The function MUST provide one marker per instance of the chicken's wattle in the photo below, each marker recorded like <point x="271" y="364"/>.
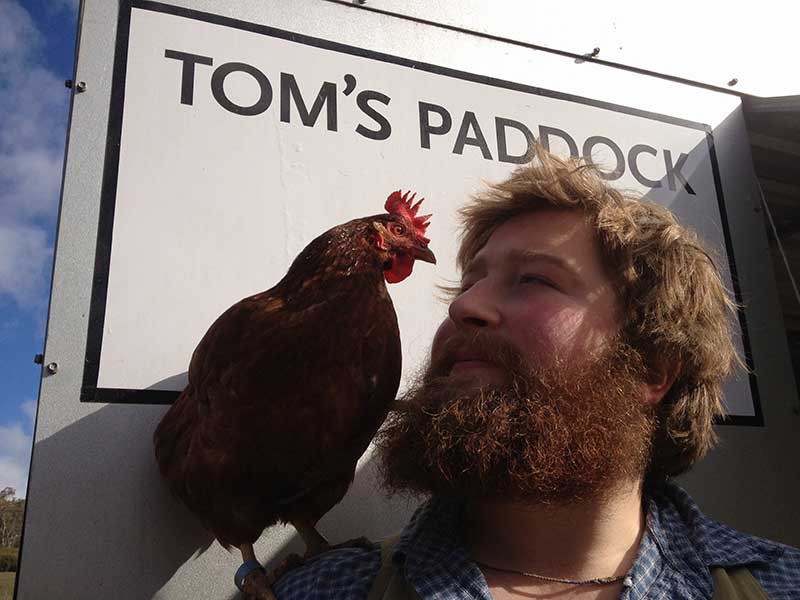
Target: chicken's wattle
<point x="402" y="265"/>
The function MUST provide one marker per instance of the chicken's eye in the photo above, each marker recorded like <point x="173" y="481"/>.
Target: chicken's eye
<point x="398" y="229"/>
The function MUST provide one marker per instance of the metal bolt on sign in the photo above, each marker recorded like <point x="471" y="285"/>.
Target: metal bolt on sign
<point x="79" y="87"/>
<point x="52" y="368"/>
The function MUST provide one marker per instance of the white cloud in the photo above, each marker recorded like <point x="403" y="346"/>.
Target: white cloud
<point x="13" y="473"/>
<point x="33" y="115"/>
<point x="33" y="111"/>
<point x="33" y="177"/>
<point x="18" y="33"/>
<point x="29" y="408"/>
<point x="15" y="451"/>
<point x="24" y="262"/>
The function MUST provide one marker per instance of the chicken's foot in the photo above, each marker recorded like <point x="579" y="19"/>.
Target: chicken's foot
<point x="316" y="544"/>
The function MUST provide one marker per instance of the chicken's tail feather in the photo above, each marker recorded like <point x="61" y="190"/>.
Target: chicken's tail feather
<point x="198" y="472"/>
<point x="172" y="439"/>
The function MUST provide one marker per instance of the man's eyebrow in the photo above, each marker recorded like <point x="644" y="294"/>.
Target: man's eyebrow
<point x="529" y="256"/>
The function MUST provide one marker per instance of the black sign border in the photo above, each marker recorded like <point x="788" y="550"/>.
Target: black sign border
<point x="91" y="393"/>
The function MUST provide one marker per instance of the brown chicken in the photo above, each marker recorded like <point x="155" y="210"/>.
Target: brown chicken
<point x="288" y="387"/>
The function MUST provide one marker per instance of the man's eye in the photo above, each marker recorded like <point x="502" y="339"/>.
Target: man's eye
<point x="536" y="279"/>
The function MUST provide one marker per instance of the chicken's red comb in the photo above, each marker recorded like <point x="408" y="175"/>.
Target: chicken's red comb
<point x="397" y="204"/>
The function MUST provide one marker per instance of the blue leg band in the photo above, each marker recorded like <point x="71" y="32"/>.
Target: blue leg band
<point x="247" y="567"/>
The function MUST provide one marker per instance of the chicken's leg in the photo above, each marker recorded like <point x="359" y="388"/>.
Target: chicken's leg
<point x="315" y="543"/>
<point x="254" y="583"/>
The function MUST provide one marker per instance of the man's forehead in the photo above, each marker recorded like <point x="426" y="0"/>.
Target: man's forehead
<point x="560" y="237"/>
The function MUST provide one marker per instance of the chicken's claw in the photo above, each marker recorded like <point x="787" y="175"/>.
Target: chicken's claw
<point x="256" y="586"/>
<point x="359" y="542"/>
<point x="293" y="561"/>
<point x="289" y="563"/>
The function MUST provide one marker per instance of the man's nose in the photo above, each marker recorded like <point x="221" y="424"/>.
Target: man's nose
<point x="475" y="308"/>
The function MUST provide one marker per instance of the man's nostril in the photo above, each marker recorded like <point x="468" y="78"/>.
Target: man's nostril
<point x="474" y="321"/>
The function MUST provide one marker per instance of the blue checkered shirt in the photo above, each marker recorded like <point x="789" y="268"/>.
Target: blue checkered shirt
<point x="676" y="551"/>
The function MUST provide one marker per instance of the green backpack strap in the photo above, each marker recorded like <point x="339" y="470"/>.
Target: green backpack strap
<point x="736" y="583"/>
<point x="389" y="583"/>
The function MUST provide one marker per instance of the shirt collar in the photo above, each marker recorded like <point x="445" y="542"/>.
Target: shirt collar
<point x="432" y="534"/>
<point x="432" y="554"/>
<point x="715" y="544"/>
<point x="681" y="544"/>
<point x="678" y="537"/>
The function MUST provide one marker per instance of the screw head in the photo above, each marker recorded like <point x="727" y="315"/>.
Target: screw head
<point x="733" y="82"/>
<point x="80" y="86"/>
<point x="52" y="368"/>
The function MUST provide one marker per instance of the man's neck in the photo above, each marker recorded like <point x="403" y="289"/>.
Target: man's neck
<point x="579" y="541"/>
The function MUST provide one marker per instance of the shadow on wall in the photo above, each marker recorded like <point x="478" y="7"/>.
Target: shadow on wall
<point x="98" y="513"/>
<point x="101" y="518"/>
<point x="175" y="382"/>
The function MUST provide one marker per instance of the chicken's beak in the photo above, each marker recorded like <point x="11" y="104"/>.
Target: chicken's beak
<point x="423" y="253"/>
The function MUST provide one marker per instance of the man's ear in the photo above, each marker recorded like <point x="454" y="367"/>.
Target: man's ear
<point x="660" y="380"/>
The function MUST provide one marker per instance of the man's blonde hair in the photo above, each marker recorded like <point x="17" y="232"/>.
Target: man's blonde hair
<point x="675" y="310"/>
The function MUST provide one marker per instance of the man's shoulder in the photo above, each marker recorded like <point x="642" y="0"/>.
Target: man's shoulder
<point x="779" y="577"/>
<point x="344" y="573"/>
<point x="348" y="573"/>
<point x="775" y="565"/>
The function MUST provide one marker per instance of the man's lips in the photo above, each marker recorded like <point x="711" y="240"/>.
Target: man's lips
<point x="481" y="357"/>
<point x="467" y="354"/>
<point x="472" y="363"/>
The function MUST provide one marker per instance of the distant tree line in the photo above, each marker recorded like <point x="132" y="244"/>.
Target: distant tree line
<point x="11" y="512"/>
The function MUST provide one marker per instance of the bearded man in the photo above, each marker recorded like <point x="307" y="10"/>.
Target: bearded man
<point x="580" y="369"/>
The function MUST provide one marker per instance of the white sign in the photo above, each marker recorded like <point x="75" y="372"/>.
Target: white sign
<point x="239" y="143"/>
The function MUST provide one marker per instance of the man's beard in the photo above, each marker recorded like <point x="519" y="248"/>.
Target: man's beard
<point x="554" y="435"/>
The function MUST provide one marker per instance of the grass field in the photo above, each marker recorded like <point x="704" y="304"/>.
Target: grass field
<point x="6" y="585"/>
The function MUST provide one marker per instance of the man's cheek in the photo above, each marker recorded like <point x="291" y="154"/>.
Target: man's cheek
<point x="556" y="334"/>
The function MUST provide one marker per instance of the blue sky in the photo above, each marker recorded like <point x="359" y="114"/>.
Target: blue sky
<point x="37" y="44"/>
